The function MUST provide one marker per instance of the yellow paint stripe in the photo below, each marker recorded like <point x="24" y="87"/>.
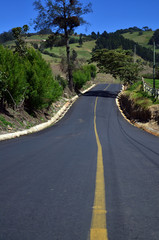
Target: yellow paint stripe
<point x="98" y="229"/>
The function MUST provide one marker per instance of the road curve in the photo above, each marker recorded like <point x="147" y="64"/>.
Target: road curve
<point x="48" y="179"/>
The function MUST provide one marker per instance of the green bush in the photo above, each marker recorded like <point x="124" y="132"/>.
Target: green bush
<point x="81" y="76"/>
<point x="92" y="69"/>
<point x="28" y="80"/>
<point x="79" y="79"/>
<point x="13" y="77"/>
<point x="43" y="89"/>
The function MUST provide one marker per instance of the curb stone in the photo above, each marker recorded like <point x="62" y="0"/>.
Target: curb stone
<point x="44" y="125"/>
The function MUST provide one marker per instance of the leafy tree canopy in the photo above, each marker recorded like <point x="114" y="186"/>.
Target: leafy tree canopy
<point x="117" y="62"/>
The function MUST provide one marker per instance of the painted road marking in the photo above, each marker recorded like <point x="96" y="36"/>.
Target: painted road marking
<point x="98" y="229"/>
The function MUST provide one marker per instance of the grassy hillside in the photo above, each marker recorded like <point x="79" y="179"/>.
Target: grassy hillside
<point x="141" y="39"/>
<point x="83" y="52"/>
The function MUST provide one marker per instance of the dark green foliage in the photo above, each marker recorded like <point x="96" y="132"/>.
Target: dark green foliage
<point x="117" y="62"/>
<point x="81" y="76"/>
<point x="73" y="56"/>
<point x="49" y="53"/>
<point x="92" y="69"/>
<point x="94" y="35"/>
<point x="80" y="40"/>
<point x="115" y="40"/>
<point x="146" y="28"/>
<point x="73" y="40"/>
<point x="18" y="34"/>
<point x="131" y="30"/>
<point x="26" y="81"/>
<point x="6" y="36"/>
<point x="13" y="77"/>
<point x="43" y="89"/>
<point x="55" y="40"/>
<point x="155" y="38"/>
<point x="35" y="45"/>
<point x="44" y="31"/>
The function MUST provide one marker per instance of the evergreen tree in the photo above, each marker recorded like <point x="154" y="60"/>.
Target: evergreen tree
<point x="80" y="40"/>
<point x="18" y="34"/>
<point x="64" y="16"/>
<point x="155" y="38"/>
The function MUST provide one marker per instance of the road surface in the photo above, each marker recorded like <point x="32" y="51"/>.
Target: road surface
<point x="90" y="176"/>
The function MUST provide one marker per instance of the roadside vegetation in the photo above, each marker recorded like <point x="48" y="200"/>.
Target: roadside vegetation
<point x="150" y="82"/>
<point x="136" y="93"/>
<point x="35" y="71"/>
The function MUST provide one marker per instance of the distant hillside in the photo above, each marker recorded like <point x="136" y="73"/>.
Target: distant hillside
<point x="125" y="38"/>
<point x="142" y="39"/>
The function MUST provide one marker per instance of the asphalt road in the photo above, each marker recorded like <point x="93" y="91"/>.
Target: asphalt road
<point x="48" y="179"/>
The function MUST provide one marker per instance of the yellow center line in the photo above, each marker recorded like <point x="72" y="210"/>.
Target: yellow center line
<point x="98" y="229"/>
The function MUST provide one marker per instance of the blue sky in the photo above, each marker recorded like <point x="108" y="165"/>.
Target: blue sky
<point x="106" y="16"/>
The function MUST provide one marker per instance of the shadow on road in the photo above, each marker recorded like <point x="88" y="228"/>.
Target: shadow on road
<point x="99" y="93"/>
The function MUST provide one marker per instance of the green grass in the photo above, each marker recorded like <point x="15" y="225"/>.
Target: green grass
<point x="141" y="39"/>
<point x="136" y="93"/>
<point x="83" y="52"/>
<point x="4" y="122"/>
<point x="150" y="82"/>
<point x="38" y="37"/>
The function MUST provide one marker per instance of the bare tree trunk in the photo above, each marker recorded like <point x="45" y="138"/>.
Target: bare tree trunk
<point x="69" y="68"/>
<point x="70" y="79"/>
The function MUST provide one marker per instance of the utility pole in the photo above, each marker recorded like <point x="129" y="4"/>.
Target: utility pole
<point x="154" y="64"/>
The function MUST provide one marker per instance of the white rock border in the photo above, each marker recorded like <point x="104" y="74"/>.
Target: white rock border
<point x="44" y="125"/>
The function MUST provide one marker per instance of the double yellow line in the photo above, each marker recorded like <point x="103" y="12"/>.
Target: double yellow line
<point x="98" y="229"/>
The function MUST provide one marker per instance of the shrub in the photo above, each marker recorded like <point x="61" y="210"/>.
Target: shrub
<point x="26" y="80"/>
<point x="92" y="69"/>
<point x="43" y="89"/>
<point x="81" y="76"/>
<point x="13" y="77"/>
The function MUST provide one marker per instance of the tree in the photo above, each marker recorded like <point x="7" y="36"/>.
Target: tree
<point x="6" y="36"/>
<point x="18" y="34"/>
<point x="115" y="40"/>
<point x="80" y="40"/>
<point x="117" y="62"/>
<point x="146" y="28"/>
<point x="155" y="38"/>
<point x="63" y="16"/>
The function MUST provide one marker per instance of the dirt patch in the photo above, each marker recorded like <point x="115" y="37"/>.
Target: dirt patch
<point x="133" y="111"/>
<point x="12" y="121"/>
<point x="148" y="119"/>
